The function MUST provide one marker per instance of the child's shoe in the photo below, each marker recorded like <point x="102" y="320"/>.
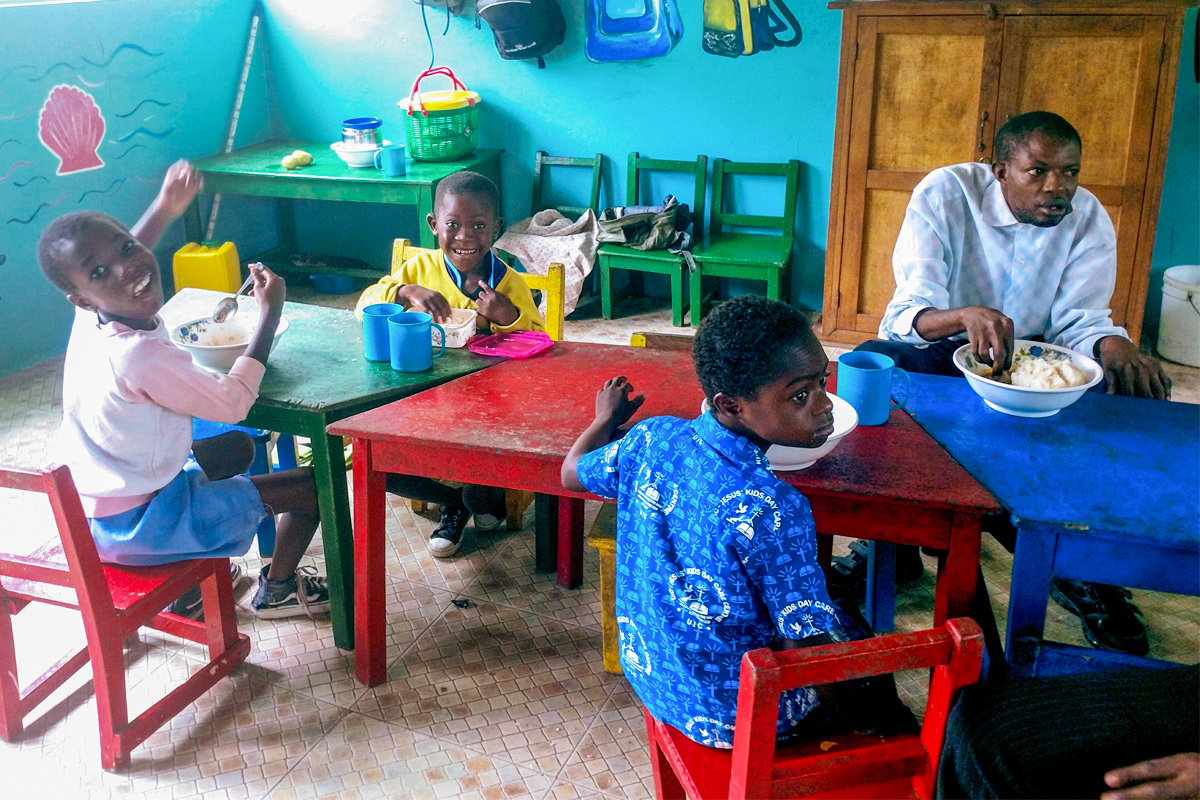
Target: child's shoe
<point x="447" y="536"/>
<point x="303" y="593"/>
<point x="190" y="605"/>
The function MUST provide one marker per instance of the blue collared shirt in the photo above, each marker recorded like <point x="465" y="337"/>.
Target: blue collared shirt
<point x="715" y="556"/>
<point x="960" y="245"/>
<point x="495" y="274"/>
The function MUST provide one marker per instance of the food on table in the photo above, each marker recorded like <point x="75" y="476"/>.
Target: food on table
<point x="298" y="158"/>
<point x="1035" y="368"/>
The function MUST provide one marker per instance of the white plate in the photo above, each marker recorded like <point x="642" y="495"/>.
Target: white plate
<point x="788" y="459"/>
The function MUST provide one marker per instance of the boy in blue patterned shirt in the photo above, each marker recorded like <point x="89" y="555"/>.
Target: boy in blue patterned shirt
<point x="715" y="555"/>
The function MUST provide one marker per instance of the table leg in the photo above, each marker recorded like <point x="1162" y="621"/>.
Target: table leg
<point x="329" y="467"/>
<point x="570" y="542"/>
<point x="1033" y="568"/>
<point x="956" y="576"/>
<point x="545" y="532"/>
<point x="192" y="226"/>
<point x="285" y="220"/>
<point x="370" y="617"/>
<point x="879" y="606"/>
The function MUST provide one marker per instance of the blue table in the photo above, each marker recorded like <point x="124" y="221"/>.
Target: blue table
<point x="1107" y="490"/>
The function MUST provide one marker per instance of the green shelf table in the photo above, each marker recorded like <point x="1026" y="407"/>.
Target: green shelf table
<point x="256" y="170"/>
<point x="317" y="375"/>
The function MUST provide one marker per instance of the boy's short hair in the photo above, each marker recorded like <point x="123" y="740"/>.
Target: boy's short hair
<point x="64" y="229"/>
<point x="467" y="182"/>
<point x="739" y="346"/>
<point x="1019" y="129"/>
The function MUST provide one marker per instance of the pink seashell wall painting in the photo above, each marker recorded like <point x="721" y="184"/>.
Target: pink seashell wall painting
<point x="70" y="126"/>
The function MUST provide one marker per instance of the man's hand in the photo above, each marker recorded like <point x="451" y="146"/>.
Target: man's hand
<point x="496" y="307"/>
<point x="1128" y="371"/>
<point x="1176" y="776"/>
<point x="180" y="186"/>
<point x="988" y="330"/>
<point x="991" y="336"/>
<point x="427" y="300"/>
<point x="614" y="407"/>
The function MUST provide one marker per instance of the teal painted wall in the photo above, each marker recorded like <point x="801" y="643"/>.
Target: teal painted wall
<point x="163" y="76"/>
<point x="1177" y="240"/>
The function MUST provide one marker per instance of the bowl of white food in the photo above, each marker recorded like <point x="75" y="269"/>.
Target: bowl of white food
<point x="787" y="459"/>
<point x="1043" y="380"/>
<point x="357" y="155"/>
<point x="216" y="345"/>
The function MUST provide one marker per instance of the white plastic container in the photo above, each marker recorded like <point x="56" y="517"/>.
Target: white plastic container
<point x="459" y="328"/>
<point x="1179" y="325"/>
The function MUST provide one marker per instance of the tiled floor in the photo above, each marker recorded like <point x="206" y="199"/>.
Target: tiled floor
<point x="502" y="698"/>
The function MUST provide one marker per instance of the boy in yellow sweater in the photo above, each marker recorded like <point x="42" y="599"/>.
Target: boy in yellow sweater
<point x="463" y="273"/>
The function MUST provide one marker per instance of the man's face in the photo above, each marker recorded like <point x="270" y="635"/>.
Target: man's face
<point x="113" y="274"/>
<point x="1039" y="179"/>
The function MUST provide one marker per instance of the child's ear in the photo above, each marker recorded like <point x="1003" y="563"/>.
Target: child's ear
<point x="82" y="302"/>
<point x="727" y="405"/>
<point x="431" y="221"/>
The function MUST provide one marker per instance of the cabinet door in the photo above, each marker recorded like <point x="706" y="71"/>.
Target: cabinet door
<point x="1101" y="73"/>
<point x="924" y="95"/>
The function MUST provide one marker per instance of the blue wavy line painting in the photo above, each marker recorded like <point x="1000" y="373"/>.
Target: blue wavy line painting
<point x="130" y="150"/>
<point x="117" y="184"/>
<point x="23" y="184"/>
<point x="145" y="132"/>
<point x="125" y="46"/>
<point x="8" y="141"/>
<point x="37" y="211"/>
<point x="139" y="105"/>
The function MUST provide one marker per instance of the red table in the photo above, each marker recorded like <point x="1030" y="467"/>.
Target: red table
<point x="512" y="425"/>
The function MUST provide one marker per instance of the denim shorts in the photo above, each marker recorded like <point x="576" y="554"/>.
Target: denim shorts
<point x="190" y="517"/>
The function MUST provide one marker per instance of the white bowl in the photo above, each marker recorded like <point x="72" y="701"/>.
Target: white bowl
<point x="1022" y="401"/>
<point x="788" y="459"/>
<point x="357" y="155"/>
<point x="459" y="328"/>
<point x="220" y="357"/>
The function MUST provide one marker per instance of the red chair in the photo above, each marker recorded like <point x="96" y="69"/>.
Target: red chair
<point x="849" y="765"/>
<point x="115" y="603"/>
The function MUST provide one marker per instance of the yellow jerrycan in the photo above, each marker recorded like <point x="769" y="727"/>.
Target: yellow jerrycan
<point x="209" y="265"/>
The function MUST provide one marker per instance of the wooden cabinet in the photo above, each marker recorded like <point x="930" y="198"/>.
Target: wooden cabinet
<point x="925" y="83"/>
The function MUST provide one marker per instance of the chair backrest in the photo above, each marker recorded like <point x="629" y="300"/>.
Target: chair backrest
<point x="26" y="576"/>
<point x="699" y="168"/>
<point x="955" y="651"/>
<point x="553" y="284"/>
<point x="724" y="169"/>
<point x="541" y="163"/>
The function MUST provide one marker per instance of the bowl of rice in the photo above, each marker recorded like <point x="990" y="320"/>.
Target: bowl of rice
<point x="216" y="345"/>
<point x="1042" y="380"/>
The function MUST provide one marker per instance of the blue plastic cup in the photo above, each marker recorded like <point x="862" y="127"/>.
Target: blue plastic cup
<point x="410" y="334"/>
<point x="375" y="330"/>
<point x="864" y="380"/>
<point x="390" y="160"/>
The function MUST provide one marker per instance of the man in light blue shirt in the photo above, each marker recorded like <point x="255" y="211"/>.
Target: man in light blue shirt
<point x="1016" y="249"/>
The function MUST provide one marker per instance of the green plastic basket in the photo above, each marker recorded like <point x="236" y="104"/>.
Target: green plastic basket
<point x="442" y="125"/>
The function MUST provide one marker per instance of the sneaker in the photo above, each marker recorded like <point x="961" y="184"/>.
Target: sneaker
<point x="848" y="575"/>
<point x="487" y="522"/>
<point x="305" y="593"/>
<point x="1109" y="618"/>
<point x="447" y="536"/>
<point x="190" y="605"/>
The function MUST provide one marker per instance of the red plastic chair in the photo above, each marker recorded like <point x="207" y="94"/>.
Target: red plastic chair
<point x="115" y="603"/>
<point x="847" y="765"/>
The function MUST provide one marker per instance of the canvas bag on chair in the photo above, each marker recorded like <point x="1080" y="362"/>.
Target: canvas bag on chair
<point x="649" y="228"/>
<point x="523" y="28"/>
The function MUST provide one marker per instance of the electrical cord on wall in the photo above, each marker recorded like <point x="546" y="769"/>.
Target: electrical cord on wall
<point x="428" y="37"/>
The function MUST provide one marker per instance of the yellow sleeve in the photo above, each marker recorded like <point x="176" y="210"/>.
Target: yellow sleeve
<point x="382" y="292"/>
<point x="513" y="286"/>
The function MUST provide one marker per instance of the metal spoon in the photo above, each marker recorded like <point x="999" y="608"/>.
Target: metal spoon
<point x="229" y="305"/>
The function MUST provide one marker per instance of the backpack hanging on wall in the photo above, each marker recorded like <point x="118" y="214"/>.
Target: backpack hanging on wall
<point x="743" y="27"/>
<point x="523" y="28"/>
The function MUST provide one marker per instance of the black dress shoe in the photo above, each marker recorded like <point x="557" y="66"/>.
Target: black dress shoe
<point x="1110" y="619"/>
<point x="848" y="577"/>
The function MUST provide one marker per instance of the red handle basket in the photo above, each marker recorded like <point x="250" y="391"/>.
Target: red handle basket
<point x="414" y="97"/>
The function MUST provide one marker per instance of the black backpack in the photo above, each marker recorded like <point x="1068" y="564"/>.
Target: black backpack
<point x="523" y="28"/>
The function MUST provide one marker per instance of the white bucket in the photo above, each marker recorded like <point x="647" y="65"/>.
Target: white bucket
<point x="1179" y="328"/>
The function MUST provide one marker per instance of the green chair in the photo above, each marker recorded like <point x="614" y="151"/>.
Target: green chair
<point x="541" y="161"/>
<point x="750" y="256"/>
<point x="662" y="262"/>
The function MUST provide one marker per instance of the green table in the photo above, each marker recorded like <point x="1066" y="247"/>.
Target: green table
<point x="257" y="171"/>
<point x="317" y="375"/>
